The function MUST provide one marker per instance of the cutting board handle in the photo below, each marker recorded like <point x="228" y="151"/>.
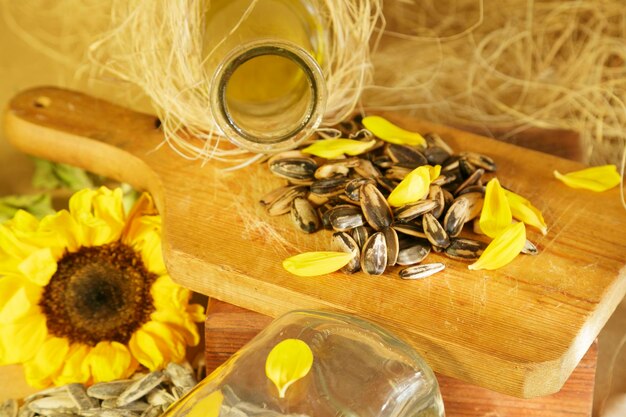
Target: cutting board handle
<point x="73" y="128"/>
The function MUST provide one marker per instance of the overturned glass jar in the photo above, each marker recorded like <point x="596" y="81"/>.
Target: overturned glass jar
<point x="318" y="364"/>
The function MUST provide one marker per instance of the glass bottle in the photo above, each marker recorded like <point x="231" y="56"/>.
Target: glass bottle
<point x="268" y="91"/>
<point x="358" y="370"/>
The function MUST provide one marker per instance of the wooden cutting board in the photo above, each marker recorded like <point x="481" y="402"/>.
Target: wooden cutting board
<point x="520" y="330"/>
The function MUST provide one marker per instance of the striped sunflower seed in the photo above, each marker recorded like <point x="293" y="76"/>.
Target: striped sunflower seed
<point x="343" y="242"/>
<point x="375" y="207"/>
<point x="374" y="255"/>
<point x="421" y="271"/>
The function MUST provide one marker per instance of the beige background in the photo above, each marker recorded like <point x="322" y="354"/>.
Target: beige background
<point x="21" y="66"/>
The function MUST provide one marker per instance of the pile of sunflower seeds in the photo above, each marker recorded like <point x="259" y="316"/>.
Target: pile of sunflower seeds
<point x="146" y="395"/>
<point x="349" y="196"/>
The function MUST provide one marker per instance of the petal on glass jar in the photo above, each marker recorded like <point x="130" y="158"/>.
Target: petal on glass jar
<point x="287" y="362"/>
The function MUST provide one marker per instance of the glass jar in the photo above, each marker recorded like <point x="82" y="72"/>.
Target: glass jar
<point x="358" y="370"/>
<point x="267" y="92"/>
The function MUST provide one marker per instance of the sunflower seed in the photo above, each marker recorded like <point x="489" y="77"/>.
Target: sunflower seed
<point x="333" y="169"/>
<point x="433" y="139"/>
<point x="53" y="405"/>
<point x="387" y="183"/>
<point x="382" y="161"/>
<point x="140" y="388"/>
<point x="360" y="235"/>
<point x="456" y="217"/>
<point x="281" y="204"/>
<point x="471" y="180"/>
<point x="436" y="155"/>
<point x="413" y="254"/>
<point x="405" y="156"/>
<point x="451" y="164"/>
<point x="8" y="408"/>
<point x="530" y="248"/>
<point x="154" y="411"/>
<point x="78" y="394"/>
<point x="435" y="233"/>
<point x="345" y="217"/>
<point x="180" y="375"/>
<point x="343" y="242"/>
<point x="446" y="177"/>
<point x="329" y="187"/>
<point x="397" y="173"/>
<point x="366" y="169"/>
<point x="411" y="211"/>
<point x="421" y="271"/>
<point x="117" y="412"/>
<point x="477" y="188"/>
<point x="294" y="169"/>
<point x="475" y="204"/>
<point x="375" y="207"/>
<point x="374" y="254"/>
<point x="24" y="411"/>
<point x="465" y="249"/>
<point x="436" y="193"/>
<point x="410" y="229"/>
<point x="45" y="392"/>
<point x="353" y="188"/>
<point x="393" y="246"/>
<point x="304" y="216"/>
<point x="466" y="168"/>
<point x="478" y="160"/>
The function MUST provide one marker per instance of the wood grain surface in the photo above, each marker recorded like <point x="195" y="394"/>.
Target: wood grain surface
<point x="520" y="330"/>
<point x="228" y="328"/>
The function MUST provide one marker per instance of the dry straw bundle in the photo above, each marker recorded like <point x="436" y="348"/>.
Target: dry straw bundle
<point x="513" y="65"/>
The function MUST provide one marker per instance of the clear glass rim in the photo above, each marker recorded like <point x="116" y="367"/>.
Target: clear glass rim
<point x="312" y="116"/>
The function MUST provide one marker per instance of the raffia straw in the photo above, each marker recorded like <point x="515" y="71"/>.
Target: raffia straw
<point x="158" y="45"/>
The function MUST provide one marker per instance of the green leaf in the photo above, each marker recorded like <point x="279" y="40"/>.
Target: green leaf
<point x="335" y="148"/>
<point x="50" y="176"/>
<point x="600" y="178"/>
<point x="39" y="205"/>
<point x="287" y="362"/>
<point x="309" y="264"/>
<point x="391" y="133"/>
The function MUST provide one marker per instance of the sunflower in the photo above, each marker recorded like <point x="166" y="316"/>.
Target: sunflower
<point x="85" y="296"/>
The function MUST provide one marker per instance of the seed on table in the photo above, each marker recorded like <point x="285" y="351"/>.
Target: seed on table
<point x="329" y="187"/>
<point x="366" y="169"/>
<point x="471" y="180"/>
<point x="421" y="271"/>
<point x="140" y="387"/>
<point x="282" y="202"/>
<point x="353" y="188"/>
<point x="478" y="160"/>
<point x="345" y="217"/>
<point x="405" y="156"/>
<point x="294" y="169"/>
<point x="435" y="233"/>
<point x="463" y="249"/>
<point x="343" y="242"/>
<point x="411" y="211"/>
<point x="48" y="406"/>
<point x="78" y="394"/>
<point x="374" y="254"/>
<point x="413" y="254"/>
<point x="360" y="234"/>
<point x="304" y="215"/>
<point x="410" y="229"/>
<point x="456" y="217"/>
<point x="435" y="193"/>
<point x="393" y="245"/>
<point x="466" y="168"/>
<point x="375" y="207"/>
<point x="529" y="248"/>
<point x="436" y="155"/>
<point x="8" y="408"/>
<point x="433" y="139"/>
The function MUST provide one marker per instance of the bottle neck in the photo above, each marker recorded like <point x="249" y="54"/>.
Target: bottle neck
<point x="268" y="96"/>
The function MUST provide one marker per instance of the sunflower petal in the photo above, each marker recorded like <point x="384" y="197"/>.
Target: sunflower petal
<point x="309" y="264"/>
<point x="86" y="206"/>
<point x="600" y="178"/>
<point x="142" y="209"/>
<point x="63" y="230"/>
<point x="39" y="267"/>
<point x="47" y="363"/>
<point x="152" y="254"/>
<point x="287" y="362"/>
<point x="17" y="298"/>
<point x="167" y="294"/>
<point x="503" y="249"/>
<point x="108" y="361"/>
<point x="524" y="211"/>
<point x="155" y="344"/>
<point x="20" y="340"/>
<point x="391" y="133"/>
<point x="412" y="188"/>
<point x="335" y="148"/>
<point x="180" y="322"/>
<point x="209" y="406"/>
<point x="75" y="367"/>
<point x="495" y="215"/>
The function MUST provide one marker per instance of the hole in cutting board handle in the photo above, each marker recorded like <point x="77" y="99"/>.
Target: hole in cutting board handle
<point x="42" y="102"/>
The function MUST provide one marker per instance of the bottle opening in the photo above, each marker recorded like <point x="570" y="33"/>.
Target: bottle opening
<point x="269" y="96"/>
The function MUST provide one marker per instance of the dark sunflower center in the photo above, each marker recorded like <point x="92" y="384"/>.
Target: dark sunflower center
<point x="99" y="293"/>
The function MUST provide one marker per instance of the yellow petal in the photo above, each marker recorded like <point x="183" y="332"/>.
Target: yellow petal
<point x="209" y="406"/>
<point x="524" y="211"/>
<point x="495" y="215"/>
<point x="180" y="322"/>
<point x="152" y="254"/>
<point x="86" y="206"/>
<point x="64" y="229"/>
<point x="21" y="339"/>
<point x="108" y="361"/>
<point x="108" y="205"/>
<point x="39" y="267"/>
<point x="412" y="188"/>
<point x="17" y="298"/>
<point x="389" y="132"/>
<point x="47" y="363"/>
<point x="309" y="264"/>
<point x="335" y="148"/>
<point x="434" y="172"/>
<point x="143" y="207"/>
<point x="155" y="344"/>
<point x="167" y="294"/>
<point x="503" y="249"/>
<point x="287" y="362"/>
<point x="75" y="367"/>
<point x="600" y="178"/>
